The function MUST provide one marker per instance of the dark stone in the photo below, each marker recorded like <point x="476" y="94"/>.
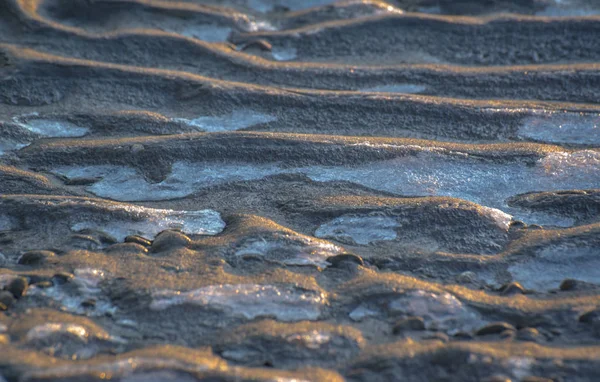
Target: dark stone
<point x="44" y="284"/>
<point x="138" y="240"/>
<point x="463" y="335"/>
<point x="591" y="316"/>
<point x="507" y="334"/>
<point x="528" y="334"/>
<point x="494" y="328"/>
<point x="6" y="300"/>
<point x="438" y="336"/>
<point x="261" y="44"/>
<point x="169" y="240"/>
<point x="337" y="260"/>
<point x="87" y="242"/>
<point x="35" y="257"/>
<point x="568" y="284"/>
<point x="573" y="285"/>
<point x="409" y="323"/>
<point x="512" y="288"/>
<point x="62" y="277"/>
<point x="17" y="287"/>
<point x="517" y="224"/>
<point x="131" y="248"/>
<point x="89" y="303"/>
<point x="101" y="236"/>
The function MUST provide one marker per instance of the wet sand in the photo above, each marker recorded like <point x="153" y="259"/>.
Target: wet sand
<point x="274" y="190"/>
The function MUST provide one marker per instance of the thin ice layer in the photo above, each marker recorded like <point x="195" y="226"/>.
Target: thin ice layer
<point x="554" y="264"/>
<point x="431" y="172"/>
<point x="208" y="33"/>
<point x="290" y="249"/>
<point x="237" y="120"/>
<point x="440" y="311"/>
<point x="125" y="184"/>
<point x="578" y="128"/>
<point x="285" y="303"/>
<point x="293" y="5"/>
<point x="148" y="222"/>
<point x="359" y="229"/>
<point x="6" y="223"/>
<point x="71" y="296"/>
<point x="55" y="129"/>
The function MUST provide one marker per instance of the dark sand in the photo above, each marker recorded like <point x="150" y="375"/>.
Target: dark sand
<point x="277" y="190"/>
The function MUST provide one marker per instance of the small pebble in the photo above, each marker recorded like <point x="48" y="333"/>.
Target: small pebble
<point x="130" y="248"/>
<point x="507" y="335"/>
<point x="85" y="242"/>
<point x="438" y="336"/>
<point x="102" y="236"/>
<point x="62" y="277"/>
<point x="517" y="224"/>
<point x="556" y="331"/>
<point x="528" y="334"/>
<point x="90" y="303"/>
<point x="572" y="284"/>
<point x="463" y="335"/>
<point x="494" y="328"/>
<point x="589" y="317"/>
<point x="168" y="240"/>
<point x="17" y="287"/>
<point x="35" y="257"/>
<point x="409" y="323"/>
<point x="136" y="148"/>
<point x="261" y="44"/>
<point x="44" y="284"/>
<point x="6" y="300"/>
<point x="138" y="240"/>
<point x="467" y="277"/>
<point x="337" y="260"/>
<point x="512" y="288"/>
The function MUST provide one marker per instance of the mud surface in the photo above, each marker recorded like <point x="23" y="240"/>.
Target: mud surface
<point x="274" y="190"/>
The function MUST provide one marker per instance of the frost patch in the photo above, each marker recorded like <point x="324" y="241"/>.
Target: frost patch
<point x="49" y="128"/>
<point x="126" y="184"/>
<point x="248" y="301"/>
<point x="362" y="230"/>
<point x="579" y="128"/>
<point x="291" y="250"/>
<point x="292" y="5"/>
<point x="148" y="222"/>
<point x="440" y="311"/>
<point x="284" y="53"/>
<point x="6" y="223"/>
<point x="73" y="295"/>
<point x="208" y="33"/>
<point x="427" y="173"/>
<point x="237" y="120"/>
<point x="7" y="145"/>
<point x="554" y="264"/>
